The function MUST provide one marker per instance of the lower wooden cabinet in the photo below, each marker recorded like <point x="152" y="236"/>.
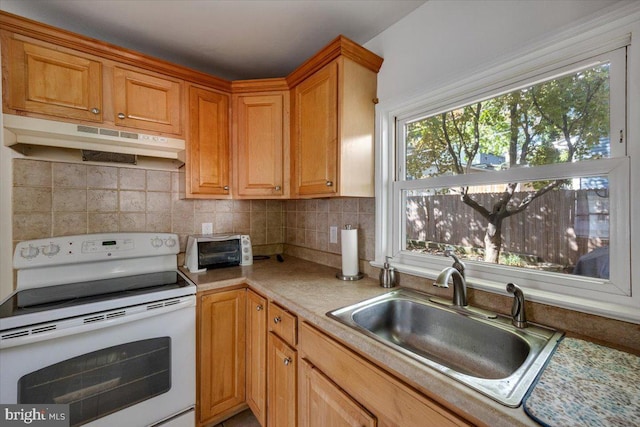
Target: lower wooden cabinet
<point x="281" y="383"/>
<point x="220" y="355"/>
<point x="322" y="403"/>
<point x="359" y="383"/>
<point x="257" y="355"/>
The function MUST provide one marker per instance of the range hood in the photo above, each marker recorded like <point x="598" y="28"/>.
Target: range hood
<point x="49" y="133"/>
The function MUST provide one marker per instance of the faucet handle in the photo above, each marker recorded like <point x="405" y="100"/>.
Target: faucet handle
<point x="457" y="264"/>
<point x="518" y="314"/>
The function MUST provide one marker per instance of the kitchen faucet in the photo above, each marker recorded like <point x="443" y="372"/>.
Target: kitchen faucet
<point x="457" y="264"/>
<point x="459" y="285"/>
<point x="518" y="315"/>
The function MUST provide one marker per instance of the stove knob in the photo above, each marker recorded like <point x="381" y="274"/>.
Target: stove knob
<point x="170" y="242"/>
<point x="51" y="250"/>
<point x="30" y="252"/>
<point x="156" y="242"/>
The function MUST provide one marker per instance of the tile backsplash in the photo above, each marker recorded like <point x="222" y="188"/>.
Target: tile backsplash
<point x="58" y="199"/>
<point x="53" y="198"/>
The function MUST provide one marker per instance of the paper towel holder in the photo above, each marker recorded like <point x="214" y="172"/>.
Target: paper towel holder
<point x="341" y="276"/>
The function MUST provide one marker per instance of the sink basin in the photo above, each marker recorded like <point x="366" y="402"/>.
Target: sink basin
<point x="480" y="349"/>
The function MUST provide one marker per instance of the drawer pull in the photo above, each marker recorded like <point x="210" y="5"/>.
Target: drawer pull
<point x="329" y="183"/>
<point x="121" y="116"/>
<point x="287" y="361"/>
<point x="259" y="307"/>
<point x="277" y="320"/>
<point x="95" y="110"/>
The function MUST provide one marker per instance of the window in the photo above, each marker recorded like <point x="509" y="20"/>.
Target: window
<point x="527" y="180"/>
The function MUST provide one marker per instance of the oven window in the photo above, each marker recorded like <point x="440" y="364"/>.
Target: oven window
<point x="99" y="383"/>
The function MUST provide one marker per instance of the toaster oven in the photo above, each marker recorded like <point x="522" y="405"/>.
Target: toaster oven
<point x="205" y="251"/>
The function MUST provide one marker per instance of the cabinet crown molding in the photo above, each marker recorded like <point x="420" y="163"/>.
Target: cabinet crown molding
<point x="340" y="46"/>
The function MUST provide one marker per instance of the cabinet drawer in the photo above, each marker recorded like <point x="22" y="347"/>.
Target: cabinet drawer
<point x="283" y="324"/>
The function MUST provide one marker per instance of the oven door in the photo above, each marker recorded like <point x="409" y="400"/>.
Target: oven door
<point x="133" y="367"/>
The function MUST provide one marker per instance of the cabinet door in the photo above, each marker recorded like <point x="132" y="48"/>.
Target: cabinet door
<point x="146" y="102"/>
<point x="281" y="394"/>
<point x="259" y="146"/>
<point x="324" y="404"/>
<point x="51" y="82"/>
<point x="221" y="353"/>
<point x="316" y="133"/>
<point x="207" y="163"/>
<point x="257" y="355"/>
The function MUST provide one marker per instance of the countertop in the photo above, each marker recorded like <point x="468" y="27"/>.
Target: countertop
<point x="310" y="290"/>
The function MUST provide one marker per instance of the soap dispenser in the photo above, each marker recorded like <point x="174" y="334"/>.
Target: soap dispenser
<point x="387" y="275"/>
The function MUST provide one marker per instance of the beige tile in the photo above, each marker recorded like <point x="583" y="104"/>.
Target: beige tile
<point x="275" y="205"/>
<point x="158" y="202"/>
<point x="350" y="218"/>
<point x="258" y="236"/>
<point x="224" y="206"/>
<point x="275" y="219"/>
<point x="32" y="199"/>
<point x="311" y="220"/>
<point x="258" y="220"/>
<point x="31" y="225"/>
<point x="69" y="175"/>
<point x="258" y="205"/>
<point x="322" y="241"/>
<point x="291" y="205"/>
<point x="159" y="181"/>
<point x="132" y="221"/>
<point x="177" y="181"/>
<point x="322" y="222"/>
<point x="183" y="222"/>
<point x="69" y="200"/>
<point x="323" y="205"/>
<point x="206" y="205"/>
<point x="335" y="205"/>
<point x="68" y="223"/>
<point x="32" y="173"/>
<point x="350" y="204"/>
<point x="100" y="222"/>
<point x="159" y="222"/>
<point x="275" y="235"/>
<point x="291" y="219"/>
<point x="102" y="201"/>
<point x="223" y="222"/>
<point x="290" y="236"/>
<point x="367" y="224"/>
<point x="242" y="222"/>
<point x="367" y="205"/>
<point x="301" y="219"/>
<point x="132" y="179"/>
<point x="132" y="201"/>
<point x="182" y="206"/>
<point x="202" y="217"/>
<point x="311" y="205"/>
<point x="310" y="238"/>
<point x="241" y="205"/>
<point x="102" y="177"/>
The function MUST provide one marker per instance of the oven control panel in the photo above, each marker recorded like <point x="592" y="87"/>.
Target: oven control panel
<point x="92" y="247"/>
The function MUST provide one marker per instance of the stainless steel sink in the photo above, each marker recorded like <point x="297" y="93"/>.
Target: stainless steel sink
<point x="479" y="349"/>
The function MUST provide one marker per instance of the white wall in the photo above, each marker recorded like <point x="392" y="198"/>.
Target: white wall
<point x="442" y="41"/>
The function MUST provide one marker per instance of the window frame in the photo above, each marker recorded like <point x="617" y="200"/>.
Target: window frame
<point x="567" y="51"/>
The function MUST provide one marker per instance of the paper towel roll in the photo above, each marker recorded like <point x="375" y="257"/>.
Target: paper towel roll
<point x="350" y="251"/>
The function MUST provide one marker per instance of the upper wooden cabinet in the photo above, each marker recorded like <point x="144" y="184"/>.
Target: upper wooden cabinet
<point x="51" y="82"/>
<point x="207" y="152"/>
<point x="145" y="101"/>
<point x="261" y="144"/>
<point x="333" y="128"/>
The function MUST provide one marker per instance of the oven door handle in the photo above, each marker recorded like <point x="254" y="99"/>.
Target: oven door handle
<point x="94" y="321"/>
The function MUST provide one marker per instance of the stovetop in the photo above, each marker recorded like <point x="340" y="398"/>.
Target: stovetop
<point x="51" y="303"/>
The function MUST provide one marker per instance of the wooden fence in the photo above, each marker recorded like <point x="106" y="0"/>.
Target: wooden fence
<point x="556" y="228"/>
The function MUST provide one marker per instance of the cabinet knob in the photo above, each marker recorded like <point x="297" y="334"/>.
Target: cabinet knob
<point x="277" y="320"/>
<point x="225" y="188"/>
<point x="277" y="188"/>
<point x="329" y="183"/>
<point x="259" y="307"/>
<point x="121" y="116"/>
<point x="95" y="110"/>
<point x="287" y="361"/>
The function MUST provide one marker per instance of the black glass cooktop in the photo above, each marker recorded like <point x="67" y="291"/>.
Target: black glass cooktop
<point x="51" y="297"/>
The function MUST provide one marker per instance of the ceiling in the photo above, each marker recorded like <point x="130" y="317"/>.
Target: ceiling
<point x="231" y="39"/>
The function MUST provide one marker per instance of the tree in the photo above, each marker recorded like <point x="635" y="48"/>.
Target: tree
<point x="560" y="120"/>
